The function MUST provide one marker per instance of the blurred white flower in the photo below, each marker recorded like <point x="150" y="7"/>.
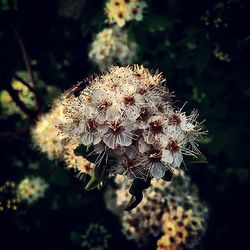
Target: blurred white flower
<point x="111" y="45"/>
<point x="31" y="189"/>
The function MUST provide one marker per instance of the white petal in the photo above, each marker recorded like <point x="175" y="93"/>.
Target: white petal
<point x="133" y="113"/>
<point x="186" y="126"/>
<point x="97" y="139"/>
<point x="124" y="139"/>
<point x="158" y="170"/>
<point x="143" y="147"/>
<point x="98" y="95"/>
<point x="164" y="140"/>
<point x="102" y="128"/>
<point x="87" y="139"/>
<point x="178" y="159"/>
<point x="110" y="140"/>
<point x="167" y="156"/>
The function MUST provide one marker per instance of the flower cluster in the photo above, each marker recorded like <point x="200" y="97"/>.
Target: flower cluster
<point x="96" y="237"/>
<point x="111" y="45"/>
<point x="221" y="55"/>
<point x="126" y="113"/>
<point x="46" y="135"/>
<point x="49" y="140"/>
<point x="171" y="209"/>
<point x="122" y="11"/>
<point x="9" y="106"/>
<point x="8" y="199"/>
<point x="31" y="189"/>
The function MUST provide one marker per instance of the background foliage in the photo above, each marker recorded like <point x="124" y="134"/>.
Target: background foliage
<point x="203" y="49"/>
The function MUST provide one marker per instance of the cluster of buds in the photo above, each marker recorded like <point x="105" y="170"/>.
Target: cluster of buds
<point x="96" y="237"/>
<point x="170" y="212"/>
<point x="8" y="198"/>
<point x="31" y="189"/>
<point x="111" y="45"/>
<point x="127" y="114"/>
<point x="122" y="11"/>
<point x="46" y="135"/>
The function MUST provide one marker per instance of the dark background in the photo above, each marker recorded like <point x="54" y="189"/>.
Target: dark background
<point x="220" y="90"/>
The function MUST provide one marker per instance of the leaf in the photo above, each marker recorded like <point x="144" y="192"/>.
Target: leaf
<point x="168" y="175"/>
<point x="136" y="190"/>
<point x="92" y="184"/>
<point x="133" y="202"/>
<point x="80" y="150"/>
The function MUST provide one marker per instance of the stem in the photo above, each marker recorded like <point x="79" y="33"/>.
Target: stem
<point x="14" y="95"/>
<point x="32" y="89"/>
<point x="26" y="60"/>
<point x="20" y="79"/>
<point x="25" y="57"/>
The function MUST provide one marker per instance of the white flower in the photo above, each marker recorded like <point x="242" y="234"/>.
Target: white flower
<point x="126" y="113"/>
<point x="155" y="129"/>
<point x="112" y="45"/>
<point x="31" y="189"/>
<point x="118" y="133"/>
<point x="176" y="147"/>
<point x="132" y="168"/>
<point x="152" y="160"/>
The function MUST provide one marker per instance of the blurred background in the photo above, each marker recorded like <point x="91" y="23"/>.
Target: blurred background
<point x="203" y="50"/>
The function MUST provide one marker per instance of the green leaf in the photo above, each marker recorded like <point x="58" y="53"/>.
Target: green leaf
<point x="92" y="184"/>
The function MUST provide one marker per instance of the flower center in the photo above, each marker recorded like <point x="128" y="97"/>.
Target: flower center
<point x="174" y="120"/>
<point x="129" y="99"/>
<point x="160" y="107"/>
<point x="173" y="146"/>
<point x="120" y="15"/>
<point x="156" y="127"/>
<point x="115" y="126"/>
<point x="144" y="114"/>
<point x="154" y="155"/>
<point x="91" y="125"/>
<point x="104" y="105"/>
<point x="142" y="91"/>
<point x="129" y="165"/>
<point x="135" y="11"/>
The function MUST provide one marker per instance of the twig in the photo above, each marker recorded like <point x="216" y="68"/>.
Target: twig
<point x="32" y="88"/>
<point x="25" y="57"/>
<point x="14" y="95"/>
<point x="20" y="79"/>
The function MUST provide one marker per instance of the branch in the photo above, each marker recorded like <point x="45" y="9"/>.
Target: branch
<point x="32" y="89"/>
<point x="20" y="79"/>
<point x="14" y="95"/>
<point x="25" y="57"/>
